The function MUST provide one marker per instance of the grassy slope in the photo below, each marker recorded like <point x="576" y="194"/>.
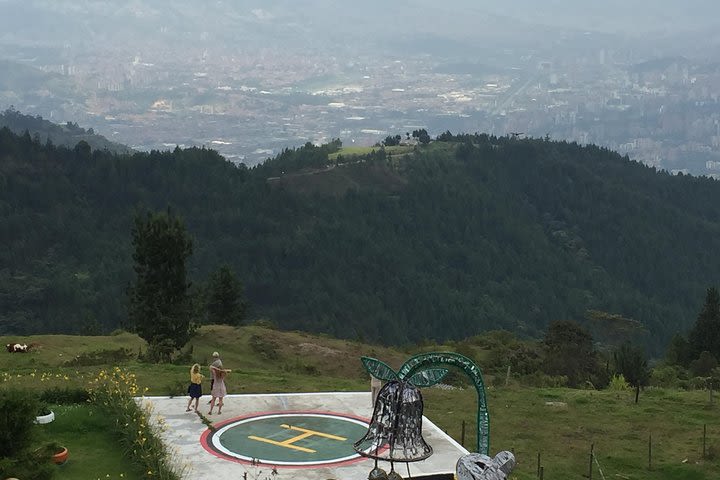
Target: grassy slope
<point x="520" y="418"/>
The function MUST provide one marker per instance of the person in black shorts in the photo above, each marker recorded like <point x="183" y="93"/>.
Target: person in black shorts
<point x="195" y="387"/>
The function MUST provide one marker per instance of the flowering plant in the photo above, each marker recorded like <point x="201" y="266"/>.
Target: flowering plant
<point x="114" y="391"/>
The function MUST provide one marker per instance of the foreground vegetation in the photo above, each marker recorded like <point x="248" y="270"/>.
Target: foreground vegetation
<point x="92" y="445"/>
<point x="559" y="423"/>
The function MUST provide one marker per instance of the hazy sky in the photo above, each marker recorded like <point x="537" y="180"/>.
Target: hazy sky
<point x="325" y="22"/>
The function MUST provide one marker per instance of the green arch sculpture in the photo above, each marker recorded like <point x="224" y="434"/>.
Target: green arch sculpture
<point x="427" y="369"/>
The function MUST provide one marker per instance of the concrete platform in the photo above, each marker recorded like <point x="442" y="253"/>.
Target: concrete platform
<point x="278" y="423"/>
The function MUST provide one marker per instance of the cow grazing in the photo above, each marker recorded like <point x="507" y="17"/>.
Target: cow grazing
<point x="16" y="348"/>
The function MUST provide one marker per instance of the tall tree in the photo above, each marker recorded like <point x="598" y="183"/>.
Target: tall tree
<point x="569" y="351"/>
<point x="630" y="361"/>
<point x="225" y="300"/>
<point x="704" y="365"/>
<point x="705" y="334"/>
<point x="159" y="302"/>
<point x="679" y="352"/>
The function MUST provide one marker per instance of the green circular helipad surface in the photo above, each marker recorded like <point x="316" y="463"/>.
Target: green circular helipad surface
<point x="300" y="439"/>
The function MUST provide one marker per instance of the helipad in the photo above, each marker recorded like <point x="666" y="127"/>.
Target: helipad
<point x="302" y="436"/>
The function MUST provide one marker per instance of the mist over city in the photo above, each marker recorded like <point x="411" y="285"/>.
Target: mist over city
<point x="251" y="78"/>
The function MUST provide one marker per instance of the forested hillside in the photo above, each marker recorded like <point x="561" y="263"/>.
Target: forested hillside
<point x="466" y="234"/>
<point x="67" y="135"/>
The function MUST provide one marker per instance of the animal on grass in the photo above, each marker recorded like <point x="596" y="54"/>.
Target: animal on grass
<point x="17" y="348"/>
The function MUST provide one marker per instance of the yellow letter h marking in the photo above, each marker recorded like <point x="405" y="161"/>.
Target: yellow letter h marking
<point x="290" y="441"/>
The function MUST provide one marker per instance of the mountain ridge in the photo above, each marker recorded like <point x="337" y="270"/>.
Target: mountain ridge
<point x="467" y="234"/>
<point x="67" y="135"/>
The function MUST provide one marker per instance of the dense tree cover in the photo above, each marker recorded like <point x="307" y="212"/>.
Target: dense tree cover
<point x="477" y="233"/>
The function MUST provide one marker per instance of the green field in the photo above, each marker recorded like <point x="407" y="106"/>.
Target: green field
<point x="348" y="152"/>
<point x="559" y="424"/>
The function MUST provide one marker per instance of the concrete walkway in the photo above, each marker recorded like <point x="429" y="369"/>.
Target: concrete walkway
<point x="183" y="431"/>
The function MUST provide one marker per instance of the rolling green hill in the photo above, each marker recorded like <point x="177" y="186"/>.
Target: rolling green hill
<point x="467" y="234"/>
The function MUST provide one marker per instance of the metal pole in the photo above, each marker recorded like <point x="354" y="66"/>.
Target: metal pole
<point x="704" y="436"/>
<point x="592" y="449"/>
<point x="538" y="467"/>
<point x="711" y="392"/>
<point x="462" y="434"/>
<point x="650" y="452"/>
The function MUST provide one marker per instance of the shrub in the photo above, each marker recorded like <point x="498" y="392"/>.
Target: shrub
<point x="618" y="383"/>
<point x="464" y="349"/>
<point x="64" y="395"/>
<point x="42" y="409"/>
<point x="28" y="464"/>
<point x="523" y="358"/>
<point x="698" y="383"/>
<point x="185" y="356"/>
<point x="264" y="347"/>
<point x="113" y="391"/>
<point x="17" y="416"/>
<point x="668" y="376"/>
<point x="704" y="365"/>
<point x="159" y="352"/>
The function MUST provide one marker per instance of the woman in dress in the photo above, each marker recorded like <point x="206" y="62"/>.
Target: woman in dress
<point x="195" y="387"/>
<point x="218" y="391"/>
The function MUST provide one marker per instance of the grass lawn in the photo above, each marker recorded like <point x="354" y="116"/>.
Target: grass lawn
<point x="521" y="420"/>
<point x="357" y="151"/>
<point x="93" y="450"/>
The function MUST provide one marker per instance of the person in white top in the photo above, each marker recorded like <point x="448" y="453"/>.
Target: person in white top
<point x="217" y="363"/>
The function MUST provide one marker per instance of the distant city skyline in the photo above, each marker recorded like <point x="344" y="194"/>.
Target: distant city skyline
<point x="251" y="78"/>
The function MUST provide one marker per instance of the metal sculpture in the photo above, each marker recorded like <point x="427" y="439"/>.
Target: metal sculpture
<point x="427" y="369"/>
<point x="395" y="431"/>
